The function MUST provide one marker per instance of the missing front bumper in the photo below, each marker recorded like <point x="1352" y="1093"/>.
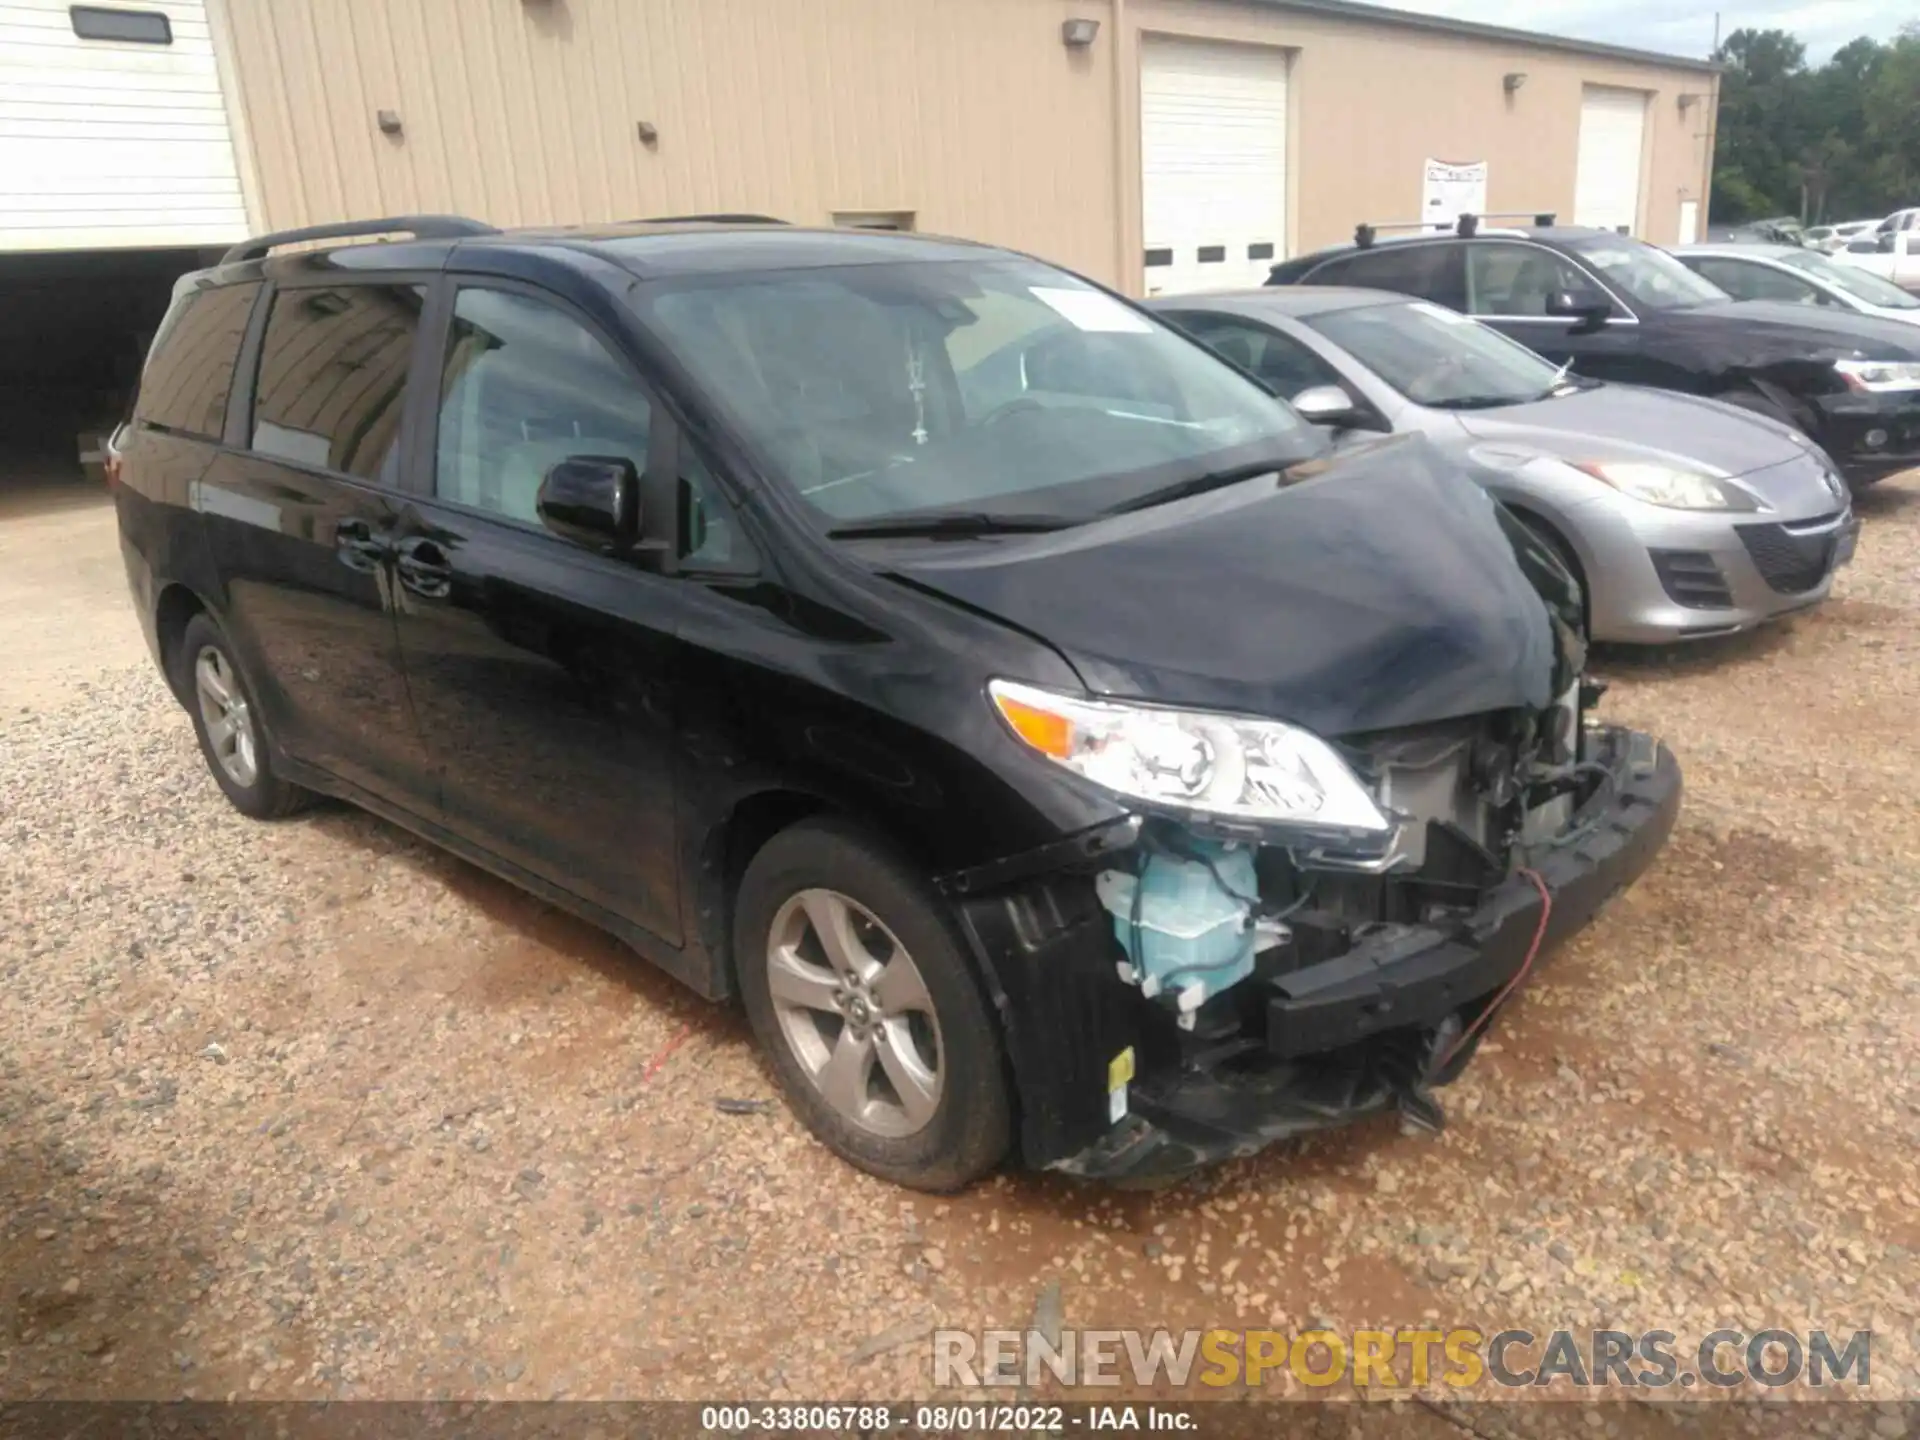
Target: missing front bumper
<point x="1368" y="1031"/>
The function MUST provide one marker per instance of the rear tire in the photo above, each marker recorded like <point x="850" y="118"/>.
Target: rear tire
<point x="867" y="1010"/>
<point x="232" y="736"/>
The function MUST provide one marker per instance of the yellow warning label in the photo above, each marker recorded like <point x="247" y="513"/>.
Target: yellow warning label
<point x="1120" y="1069"/>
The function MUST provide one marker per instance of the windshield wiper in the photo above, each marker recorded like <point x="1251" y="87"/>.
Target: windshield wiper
<point x="1480" y="402"/>
<point x="1198" y="485"/>
<point x="957" y="523"/>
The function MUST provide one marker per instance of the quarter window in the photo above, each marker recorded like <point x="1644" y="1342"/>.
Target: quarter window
<point x="333" y="377"/>
<point x="525" y="387"/>
<point x="190" y="372"/>
<point x="1516" y="280"/>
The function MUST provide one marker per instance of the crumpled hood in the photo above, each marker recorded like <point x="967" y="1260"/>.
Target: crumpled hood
<point x="1383" y="591"/>
<point x="1627" y="422"/>
<point x="1761" y="332"/>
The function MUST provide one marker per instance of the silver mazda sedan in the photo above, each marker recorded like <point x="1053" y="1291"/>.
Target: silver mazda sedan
<point x="1681" y="516"/>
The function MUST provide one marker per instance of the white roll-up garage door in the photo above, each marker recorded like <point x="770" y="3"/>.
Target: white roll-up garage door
<point x="1606" y="183"/>
<point x="113" y="129"/>
<point x="1213" y="151"/>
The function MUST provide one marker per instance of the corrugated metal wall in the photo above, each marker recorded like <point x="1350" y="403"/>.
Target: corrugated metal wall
<point x="970" y="113"/>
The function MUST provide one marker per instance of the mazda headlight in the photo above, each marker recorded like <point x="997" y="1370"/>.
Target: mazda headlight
<point x="1879" y="376"/>
<point x="1226" y="765"/>
<point x="1668" y="485"/>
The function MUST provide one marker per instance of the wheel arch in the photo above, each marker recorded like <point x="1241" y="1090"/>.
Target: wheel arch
<point x="173" y="611"/>
<point x="1565" y="539"/>
<point x="729" y="847"/>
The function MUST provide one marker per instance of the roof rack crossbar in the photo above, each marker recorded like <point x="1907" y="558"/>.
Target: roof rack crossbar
<point x="708" y="220"/>
<point x="1467" y="223"/>
<point x="421" y="227"/>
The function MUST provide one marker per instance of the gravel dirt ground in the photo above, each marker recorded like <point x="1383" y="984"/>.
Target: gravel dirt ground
<point x="311" y="1110"/>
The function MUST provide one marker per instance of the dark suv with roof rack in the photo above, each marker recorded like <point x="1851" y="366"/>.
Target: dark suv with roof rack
<point x="1019" y="709"/>
<point x="1615" y="308"/>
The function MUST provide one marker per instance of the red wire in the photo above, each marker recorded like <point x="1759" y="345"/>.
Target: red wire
<point x="1539" y="934"/>
<point x="665" y="1054"/>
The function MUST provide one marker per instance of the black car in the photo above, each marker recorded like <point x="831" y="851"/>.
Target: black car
<point x="1615" y="308"/>
<point x="1011" y="703"/>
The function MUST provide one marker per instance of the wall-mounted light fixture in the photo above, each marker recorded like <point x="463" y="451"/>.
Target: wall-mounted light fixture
<point x="1688" y="99"/>
<point x="1513" y="80"/>
<point x="388" y="121"/>
<point x="649" y="133"/>
<point x="1077" y="34"/>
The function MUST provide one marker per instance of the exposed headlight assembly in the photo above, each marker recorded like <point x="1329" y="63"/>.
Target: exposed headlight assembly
<point x="1878" y="377"/>
<point x="1225" y="765"/>
<point x="1667" y="486"/>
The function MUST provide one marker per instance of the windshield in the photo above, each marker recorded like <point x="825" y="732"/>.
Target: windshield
<point x="1862" y="285"/>
<point x="993" y="386"/>
<point x="1649" y="278"/>
<point x="1438" y="357"/>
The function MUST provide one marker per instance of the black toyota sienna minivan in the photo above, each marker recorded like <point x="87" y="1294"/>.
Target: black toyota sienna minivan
<point x="1014" y="705"/>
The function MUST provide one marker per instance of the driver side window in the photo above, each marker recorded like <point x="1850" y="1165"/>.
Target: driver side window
<point x="1746" y="281"/>
<point x="525" y="387"/>
<point x="1509" y="281"/>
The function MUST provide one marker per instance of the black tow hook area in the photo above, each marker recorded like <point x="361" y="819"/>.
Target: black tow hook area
<point x="1182" y="1121"/>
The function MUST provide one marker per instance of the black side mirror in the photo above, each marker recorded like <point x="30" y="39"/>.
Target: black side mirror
<point x="1590" y="309"/>
<point x="592" y="500"/>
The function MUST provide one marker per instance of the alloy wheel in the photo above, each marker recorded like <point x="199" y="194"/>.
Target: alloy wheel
<point x="855" y="1012"/>
<point x="227" y="717"/>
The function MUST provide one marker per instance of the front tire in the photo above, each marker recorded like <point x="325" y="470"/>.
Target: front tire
<point x="228" y="724"/>
<point x="868" y="1012"/>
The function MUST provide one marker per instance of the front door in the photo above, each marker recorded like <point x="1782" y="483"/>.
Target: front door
<point x="298" y="523"/>
<point x="540" y="670"/>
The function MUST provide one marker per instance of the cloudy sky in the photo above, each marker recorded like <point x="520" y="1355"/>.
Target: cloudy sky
<point x="1685" y="27"/>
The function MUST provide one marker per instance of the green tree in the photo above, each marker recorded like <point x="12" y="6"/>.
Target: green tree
<point x="1893" y="118"/>
<point x="1837" y="141"/>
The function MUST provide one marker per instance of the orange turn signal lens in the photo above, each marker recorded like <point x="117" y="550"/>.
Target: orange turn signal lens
<point x="1045" y="731"/>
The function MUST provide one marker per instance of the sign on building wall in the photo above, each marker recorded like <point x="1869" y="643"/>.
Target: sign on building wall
<point x="1449" y="190"/>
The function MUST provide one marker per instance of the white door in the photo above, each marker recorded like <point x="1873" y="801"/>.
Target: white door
<point x="1689" y="222"/>
<point x="1213" y="160"/>
<point x="1606" y="178"/>
<point x="117" y="136"/>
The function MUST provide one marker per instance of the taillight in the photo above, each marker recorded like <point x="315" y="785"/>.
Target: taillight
<point x="112" y="467"/>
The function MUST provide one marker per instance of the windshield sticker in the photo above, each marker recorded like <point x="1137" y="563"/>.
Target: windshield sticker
<point x="1091" y="310"/>
<point x="1440" y="312"/>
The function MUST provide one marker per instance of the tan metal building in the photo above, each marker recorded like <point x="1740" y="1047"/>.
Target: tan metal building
<point x="1167" y="144"/>
<point x="1156" y="145"/>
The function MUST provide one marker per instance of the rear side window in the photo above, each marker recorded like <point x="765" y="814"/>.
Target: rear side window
<point x="333" y="377"/>
<point x="190" y="371"/>
<point x="1430" y="271"/>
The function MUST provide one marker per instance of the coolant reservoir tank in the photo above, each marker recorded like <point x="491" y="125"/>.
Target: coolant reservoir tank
<point x="1185" y="921"/>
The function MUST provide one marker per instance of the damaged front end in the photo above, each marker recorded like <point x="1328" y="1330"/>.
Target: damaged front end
<point x="1188" y="986"/>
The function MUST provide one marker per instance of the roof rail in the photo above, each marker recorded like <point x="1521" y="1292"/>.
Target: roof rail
<point x="1467" y="225"/>
<point x="708" y="220"/>
<point x="421" y="227"/>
